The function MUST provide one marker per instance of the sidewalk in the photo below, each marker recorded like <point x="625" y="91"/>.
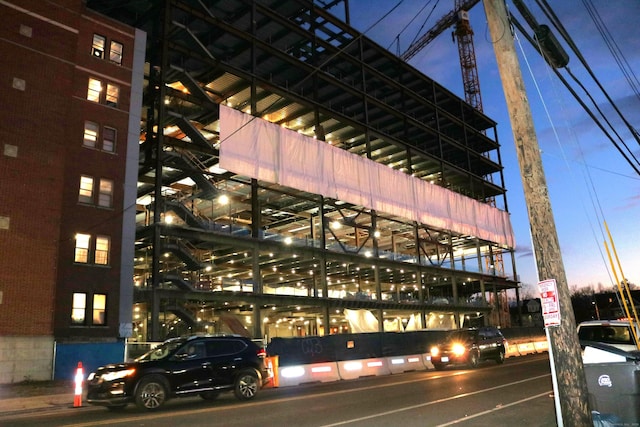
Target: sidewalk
<point x="35" y="396"/>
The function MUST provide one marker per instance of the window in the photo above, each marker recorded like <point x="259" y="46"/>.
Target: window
<point x="99" y="309"/>
<point x="104" y="191"/>
<point x="97" y="48"/>
<point x="109" y="139"/>
<point x="82" y="248"/>
<point x="113" y="92"/>
<point x="105" y="195"/>
<point x="87" y="253"/>
<point x="102" y="250"/>
<point x="90" y="134"/>
<point x="78" y="308"/>
<point x="115" y="53"/>
<point x="86" y="189"/>
<point x="94" y="93"/>
<point x="92" y="137"/>
<point x="95" y="87"/>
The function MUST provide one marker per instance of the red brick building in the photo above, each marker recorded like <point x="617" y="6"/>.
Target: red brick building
<point x="71" y="93"/>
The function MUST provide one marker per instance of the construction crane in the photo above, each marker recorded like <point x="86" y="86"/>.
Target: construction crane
<point x="459" y="17"/>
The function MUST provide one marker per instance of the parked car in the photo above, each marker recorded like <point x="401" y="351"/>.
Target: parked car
<point x="202" y="365"/>
<point x="616" y="333"/>
<point x="469" y="347"/>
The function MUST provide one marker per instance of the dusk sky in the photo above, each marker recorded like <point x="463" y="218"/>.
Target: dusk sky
<point x="589" y="181"/>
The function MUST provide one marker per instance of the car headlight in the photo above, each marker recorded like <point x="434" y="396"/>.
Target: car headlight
<point x="458" y="349"/>
<point x="116" y="375"/>
<point x="434" y="351"/>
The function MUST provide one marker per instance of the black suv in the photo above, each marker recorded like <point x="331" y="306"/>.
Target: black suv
<point x="469" y="347"/>
<point x="203" y="365"/>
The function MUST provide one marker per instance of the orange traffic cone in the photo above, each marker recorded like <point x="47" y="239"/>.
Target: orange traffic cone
<point x="79" y="378"/>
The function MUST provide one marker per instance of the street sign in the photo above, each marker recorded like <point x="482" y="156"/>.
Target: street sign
<point x="550" y="305"/>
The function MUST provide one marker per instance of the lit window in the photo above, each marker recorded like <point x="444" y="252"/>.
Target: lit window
<point x="102" y="250"/>
<point x="86" y="189"/>
<point x="90" y="134"/>
<point x="97" y="48"/>
<point x="95" y="87"/>
<point x="105" y="197"/>
<point x="115" y="53"/>
<point x="78" y="308"/>
<point x="99" y="309"/>
<point x="109" y="139"/>
<point x="113" y="92"/>
<point x="82" y="248"/>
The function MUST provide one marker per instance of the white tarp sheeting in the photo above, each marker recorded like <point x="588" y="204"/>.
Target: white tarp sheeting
<point x="361" y="321"/>
<point x="262" y="150"/>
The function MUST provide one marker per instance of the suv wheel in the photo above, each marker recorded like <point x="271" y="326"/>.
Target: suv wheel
<point x="473" y="359"/>
<point x="500" y="358"/>
<point x="246" y="385"/>
<point x="151" y="392"/>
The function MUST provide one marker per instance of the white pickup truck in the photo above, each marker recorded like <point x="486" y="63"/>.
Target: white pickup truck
<point x="616" y="333"/>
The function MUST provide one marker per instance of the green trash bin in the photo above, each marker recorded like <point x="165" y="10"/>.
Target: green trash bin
<point x="614" y="387"/>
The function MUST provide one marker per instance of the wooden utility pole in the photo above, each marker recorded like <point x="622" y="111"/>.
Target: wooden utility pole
<point x="565" y="355"/>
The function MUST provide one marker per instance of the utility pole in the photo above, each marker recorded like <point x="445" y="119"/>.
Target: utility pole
<point x="570" y="382"/>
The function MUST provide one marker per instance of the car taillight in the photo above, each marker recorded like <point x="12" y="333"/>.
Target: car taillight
<point x="262" y="353"/>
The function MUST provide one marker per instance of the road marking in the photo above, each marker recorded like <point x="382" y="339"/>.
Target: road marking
<point x="501" y="407"/>
<point x="147" y="416"/>
<point x="434" y="402"/>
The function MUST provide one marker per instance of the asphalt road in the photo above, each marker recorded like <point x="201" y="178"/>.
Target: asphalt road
<point x="516" y="393"/>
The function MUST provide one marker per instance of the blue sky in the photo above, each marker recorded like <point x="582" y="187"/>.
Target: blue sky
<point x="589" y="181"/>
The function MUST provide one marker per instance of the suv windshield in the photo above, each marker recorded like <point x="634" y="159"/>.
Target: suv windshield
<point x="162" y="351"/>
<point x="460" y="336"/>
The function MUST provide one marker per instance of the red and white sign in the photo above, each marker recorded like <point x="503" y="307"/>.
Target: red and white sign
<point x="550" y="303"/>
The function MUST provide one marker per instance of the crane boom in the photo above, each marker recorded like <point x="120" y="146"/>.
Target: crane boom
<point x="445" y="22"/>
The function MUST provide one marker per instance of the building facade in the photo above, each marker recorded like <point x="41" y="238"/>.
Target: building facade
<point x="72" y="94"/>
<point x="255" y="167"/>
<point x="298" y="179"/>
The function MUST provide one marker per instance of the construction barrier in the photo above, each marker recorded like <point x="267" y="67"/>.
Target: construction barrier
<point x="313" y="373"/>
<point x="400" y="364"/>
<point x="352" y="369"/>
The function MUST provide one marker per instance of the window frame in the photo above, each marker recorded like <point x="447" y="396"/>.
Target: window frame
<point x="79" y="309"/>
<point x="91" y="134"/>
<point x="94" y="90"/>
<point x="98" y="49"/>
<point x="99" y="310"/>
<point x="112" y="95"/>
<point x="105" y="195"/>
<point x="102" y="250"/>
<point x="116" y="56"/>
<point x="81" y="253"/>
<point x="109" y="145"/>
<point x="86" y="191"/>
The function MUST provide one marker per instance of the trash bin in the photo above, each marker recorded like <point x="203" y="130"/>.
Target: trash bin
<point x="614" y="388"/>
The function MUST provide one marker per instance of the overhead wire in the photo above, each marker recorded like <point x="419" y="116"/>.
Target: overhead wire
<point x="615" y="50"/>
<point x="397" y="37"/>
<point x="546" y="9"/>
<point x="628" y="156"/>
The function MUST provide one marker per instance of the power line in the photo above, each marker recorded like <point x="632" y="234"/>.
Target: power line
<point x="558" y="25"/>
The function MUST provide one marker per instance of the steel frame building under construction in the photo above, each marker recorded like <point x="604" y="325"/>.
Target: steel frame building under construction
<point x="296" y="178"/>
